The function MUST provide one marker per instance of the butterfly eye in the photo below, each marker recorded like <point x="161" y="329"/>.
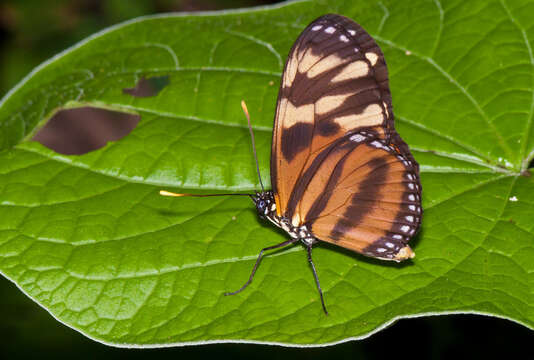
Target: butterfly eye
<point x="261" y="206"/>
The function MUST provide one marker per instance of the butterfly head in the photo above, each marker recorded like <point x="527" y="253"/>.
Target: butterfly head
<point x="264" y="202"/>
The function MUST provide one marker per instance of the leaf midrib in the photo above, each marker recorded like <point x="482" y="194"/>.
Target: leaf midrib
<point x="244" y="258"/>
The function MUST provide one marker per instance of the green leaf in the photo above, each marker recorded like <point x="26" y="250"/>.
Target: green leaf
<point x="89" y="238"/>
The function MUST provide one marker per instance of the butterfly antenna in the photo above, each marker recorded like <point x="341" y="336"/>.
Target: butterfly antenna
<point x="245" y="110"/>
<point x="168" y="193"/>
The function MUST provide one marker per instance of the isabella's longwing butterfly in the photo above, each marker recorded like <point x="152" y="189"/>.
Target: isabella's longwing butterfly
<point x="340" y="172"/>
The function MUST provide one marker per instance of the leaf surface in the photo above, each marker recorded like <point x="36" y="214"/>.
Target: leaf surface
<point x="89" y="238"/>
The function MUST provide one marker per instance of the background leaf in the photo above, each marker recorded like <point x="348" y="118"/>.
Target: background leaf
<point x="89" y="238"/>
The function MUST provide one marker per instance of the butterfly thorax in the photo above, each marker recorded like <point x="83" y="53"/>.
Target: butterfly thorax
<point x="266" y="207"/>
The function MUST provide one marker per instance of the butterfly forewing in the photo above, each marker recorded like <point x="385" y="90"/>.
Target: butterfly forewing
<point x="335" y="82"/>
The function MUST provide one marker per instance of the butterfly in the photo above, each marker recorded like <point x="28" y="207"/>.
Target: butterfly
<point x="340" y="173"/>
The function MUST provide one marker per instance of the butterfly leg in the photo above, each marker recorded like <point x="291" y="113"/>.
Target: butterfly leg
<point x="309" y="248"/>
<point x="290" y="241"/>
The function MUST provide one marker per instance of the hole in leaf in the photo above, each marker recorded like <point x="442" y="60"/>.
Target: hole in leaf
<point x="148" y="87"/>
<point x="531" y="164"/>
<point x="79" y="131"/>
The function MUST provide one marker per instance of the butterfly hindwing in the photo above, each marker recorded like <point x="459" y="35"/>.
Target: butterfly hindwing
<point x="335" y="82"/>
<point x="366" y="198"/>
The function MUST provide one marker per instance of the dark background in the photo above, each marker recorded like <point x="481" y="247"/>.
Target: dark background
<point x="31" y="32"/>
